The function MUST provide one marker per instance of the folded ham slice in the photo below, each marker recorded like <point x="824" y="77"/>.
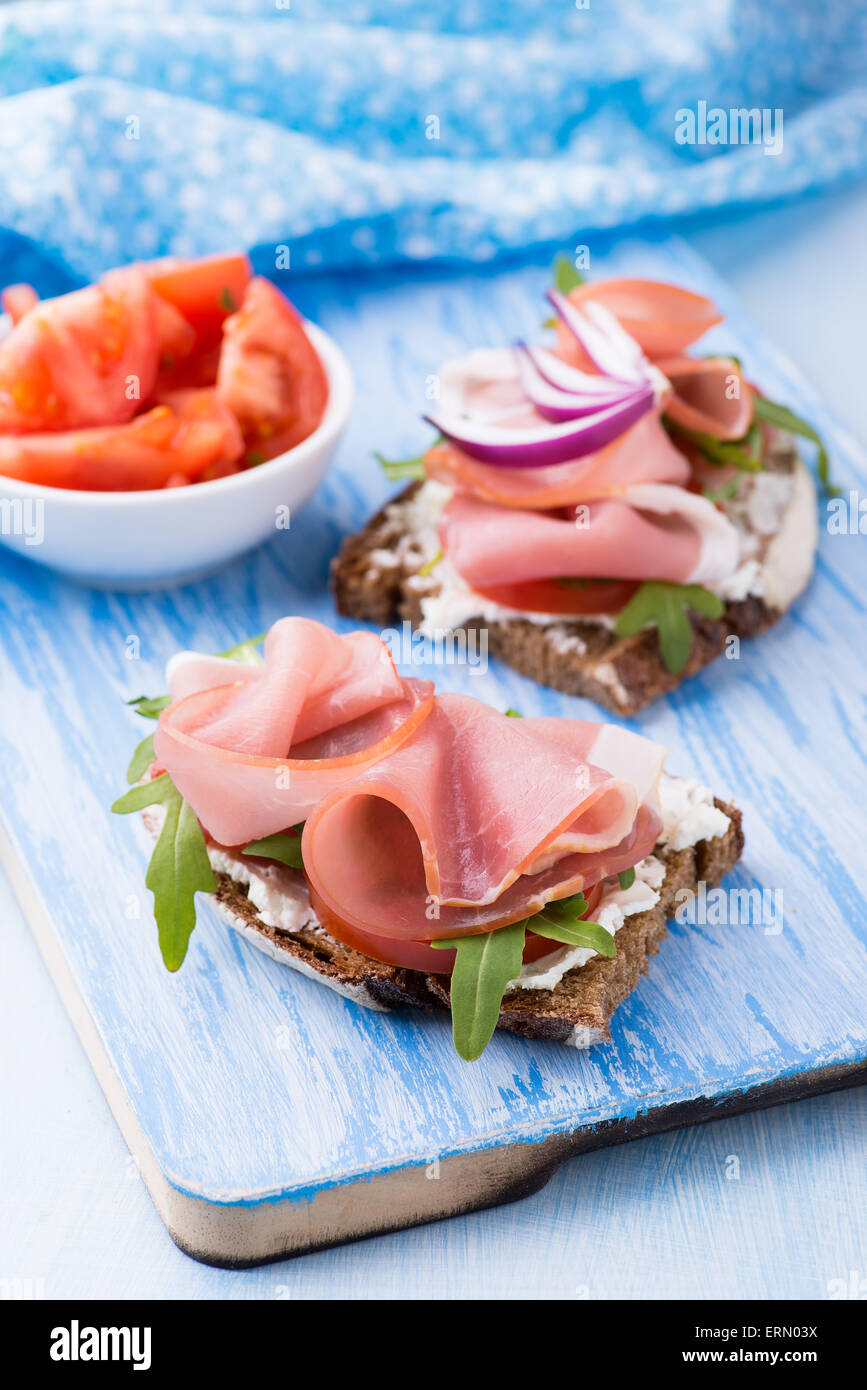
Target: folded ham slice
<point x="255" y="755"/>
<point x="643" y="454"/>
<point x="663" y="319"/>
<point x="709" y="395"/>
<point x="649" y="531"/>
<point x="479" y="820"/>
<point x="312" y="680"/>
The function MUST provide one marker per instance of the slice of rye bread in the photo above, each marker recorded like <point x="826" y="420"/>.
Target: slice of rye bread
<point x="577" y="1011"/>
<point x="622" y="674"/>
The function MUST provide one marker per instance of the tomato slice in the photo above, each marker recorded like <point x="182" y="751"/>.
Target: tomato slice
<point x="205" y="291"/>
<point x="574" y="596"/>
<point x="85" y="358"/>
<point x="270" y="376"/>
<point x="189" y="437"/>
<point x="17" y="300"/>
<point x="418" y="955"/>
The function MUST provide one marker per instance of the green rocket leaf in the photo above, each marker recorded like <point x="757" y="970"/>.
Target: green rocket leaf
<point x="784" y="419"/>
<point x="483" y="968"/>
<point x="179" y="866"/>
<point x="666" y="605"/>
<point x="284" y="848"/>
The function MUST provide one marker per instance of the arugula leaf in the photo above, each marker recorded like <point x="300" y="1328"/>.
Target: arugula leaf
<point x="590" y="935"/>
<point x="246" y="651"/>
<point x="144" y="794"/>
<point x="566" y="276"/>
<point x="564" y="921"/>
<point x="150" y="705"/>
<point x="722" y="453"/>
<point x="141" y="759"/>
<point x="406" y="468"/>
<point x="285" y="848"/>
<point x="430" y="564"/>
<point x="570" y="909"/>
<point x="512" y="713"/>
<point x="626" y="878"/>
<point x="784" y="419"/>
<point x="179" y="866"/>
<point x="484" y="966"/>
<point x="666" y="605"/>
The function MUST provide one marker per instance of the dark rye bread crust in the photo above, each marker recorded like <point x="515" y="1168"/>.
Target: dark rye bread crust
<point x="585" y="999"/>
<point x="382" y="594"/>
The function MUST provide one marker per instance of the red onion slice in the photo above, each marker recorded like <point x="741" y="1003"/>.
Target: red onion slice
<point x="593" y="333"/>
<point x="623" y="342"/>
<point x="557" y="405"/>
<point x="554" y="443"/>
<point x="567" y="378"/>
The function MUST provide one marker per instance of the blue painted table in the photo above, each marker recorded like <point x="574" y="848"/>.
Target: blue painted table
<point x="680" y="724"/>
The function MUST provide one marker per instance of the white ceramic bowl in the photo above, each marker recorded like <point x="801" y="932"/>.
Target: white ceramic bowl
<point x="139" y="540"/>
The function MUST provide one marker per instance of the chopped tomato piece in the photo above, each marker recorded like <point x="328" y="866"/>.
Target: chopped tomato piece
<point x="419" y="955"/>
<point x="85" y="358"/>
<point x="574" y="596"/>
<point x="181" y="373"/>
<point x="189" y="435"/>
<point x="176" y="338"/>
<point x="204" y="291"/>
<point x="17" y="300"/>
<point x="270" y="376"/>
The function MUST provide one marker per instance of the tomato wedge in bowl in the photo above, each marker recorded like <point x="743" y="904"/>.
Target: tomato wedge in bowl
<point x="175" y="534"/>
<point x="166" y="490"/>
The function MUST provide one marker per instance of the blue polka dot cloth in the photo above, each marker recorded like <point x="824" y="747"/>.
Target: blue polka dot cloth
<point x="377" y="131"/>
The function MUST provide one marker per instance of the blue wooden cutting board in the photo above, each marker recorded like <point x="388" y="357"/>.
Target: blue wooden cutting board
<point x="269" y="1115"/>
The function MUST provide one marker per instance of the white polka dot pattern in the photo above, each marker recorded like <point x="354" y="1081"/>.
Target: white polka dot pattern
<point x="462" y="129"/>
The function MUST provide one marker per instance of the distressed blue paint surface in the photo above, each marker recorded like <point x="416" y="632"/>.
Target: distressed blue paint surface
<point x="251" y="1081"/>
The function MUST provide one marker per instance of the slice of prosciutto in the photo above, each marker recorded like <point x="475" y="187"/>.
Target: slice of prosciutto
<point x="643" y="454"/>
<point x="709" y="395"/>
<point x="650" y="531"/>
<point x="478" y="820"/>
<point x="663" y="319"/>
<point x="255" y="754"/>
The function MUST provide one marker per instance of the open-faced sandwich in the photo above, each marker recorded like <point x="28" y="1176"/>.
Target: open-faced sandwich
<point x="611" y="509"/>
<point x="406" y="847"/>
